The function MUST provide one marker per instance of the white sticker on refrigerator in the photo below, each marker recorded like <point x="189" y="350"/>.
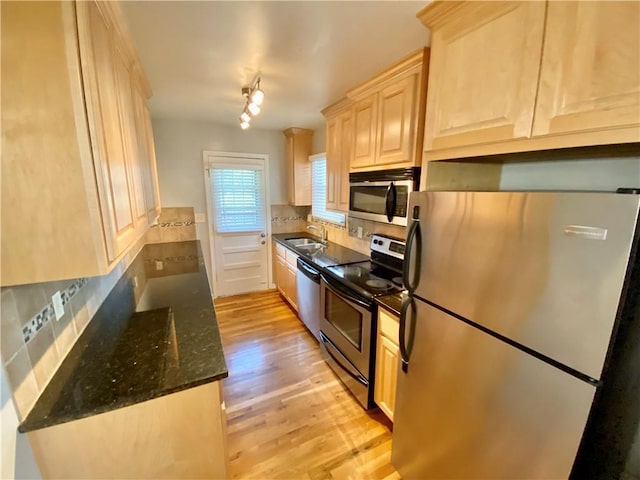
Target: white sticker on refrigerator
<point x="588" y="233"/>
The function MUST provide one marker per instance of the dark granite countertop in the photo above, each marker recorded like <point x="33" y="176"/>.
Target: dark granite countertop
<point x="332" y="254"/>
<point x="392" y="302"/>
<point x="131" y="351"/>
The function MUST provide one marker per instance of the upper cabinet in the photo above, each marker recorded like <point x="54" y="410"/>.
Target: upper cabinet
<point x="517" y="76"/>
<point x="590" y="75"/>
<point x="74" y="182"/>
<point x="298" y="149"/>
<point x="388" y="115"/>
<point x="340" y="129"/>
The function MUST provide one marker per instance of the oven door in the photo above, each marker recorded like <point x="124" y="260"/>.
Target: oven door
<point x="346" y="321"/>
<point x="384" y="201"/>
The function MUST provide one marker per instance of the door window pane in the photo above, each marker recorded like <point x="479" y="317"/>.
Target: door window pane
<point x="238" y="199"/>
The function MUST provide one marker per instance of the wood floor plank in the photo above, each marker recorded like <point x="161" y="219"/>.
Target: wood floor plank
<point x="288" y="415"/>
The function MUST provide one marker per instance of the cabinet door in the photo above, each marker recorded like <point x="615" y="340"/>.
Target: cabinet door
<point x="483" y="74"/>
<point x="281" y="275"/>
<point x="291" y="184"/>
<point x="590" y="73"/>
<point x="386" y="375"/>
<point x="333" y="162"/>
<point x="346" y="149"/>
<point x="365" y="120"/>
<point x="146" y="152"/>
<point x="133" y="159"/>
<point x="100" y="81"/>
<point x="396" y="122"/>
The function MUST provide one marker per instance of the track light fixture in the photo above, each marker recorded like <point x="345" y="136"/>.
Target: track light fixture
<point x="254" y="97"/>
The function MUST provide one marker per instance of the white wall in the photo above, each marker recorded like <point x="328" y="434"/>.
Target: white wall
<point x="16" y="460"/>
<point x="179" y="145"/>
<point x="592" y="175"/>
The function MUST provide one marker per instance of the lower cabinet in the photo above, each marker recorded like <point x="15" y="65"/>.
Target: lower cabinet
<point x="387" y="358"/>
<point x="180" y="435"/>
<point x="286" y="269"/>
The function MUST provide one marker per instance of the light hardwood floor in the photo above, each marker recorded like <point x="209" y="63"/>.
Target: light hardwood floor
<point x="288" y="416"/>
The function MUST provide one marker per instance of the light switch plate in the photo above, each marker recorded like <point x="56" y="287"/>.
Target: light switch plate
<point x="359" y="232"/>
<point x="200" y="218"/>
<point x="58" y="307"/>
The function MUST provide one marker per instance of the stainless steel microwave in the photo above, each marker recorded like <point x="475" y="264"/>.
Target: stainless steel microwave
<point x="382" y="196"/>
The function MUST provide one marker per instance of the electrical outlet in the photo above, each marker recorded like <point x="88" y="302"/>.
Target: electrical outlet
<point x="58" y="307"/>
<point x="159" y="265"/>
<point x="200" y="218"/>
<point x="359" y="232"/>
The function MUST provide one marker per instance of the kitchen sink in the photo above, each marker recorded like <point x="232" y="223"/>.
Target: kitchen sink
<point x="311" y="247"/>
<point x="304" y="243"/>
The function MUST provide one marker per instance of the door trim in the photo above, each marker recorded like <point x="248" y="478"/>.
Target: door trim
<point x="235" y="157"/>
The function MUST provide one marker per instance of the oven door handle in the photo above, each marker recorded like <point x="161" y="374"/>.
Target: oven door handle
<point x="343" y="292"/>
<point x="390" y="201"/>
<point x="329" y="346"/>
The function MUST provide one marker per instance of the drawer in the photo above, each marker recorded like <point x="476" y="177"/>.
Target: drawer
<point x="280" y="250"/>
<point x="388" y="325"/>
<point x="291" y="258"/>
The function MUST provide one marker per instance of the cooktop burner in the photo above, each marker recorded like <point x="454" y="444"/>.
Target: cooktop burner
<point x="378" y="284"/>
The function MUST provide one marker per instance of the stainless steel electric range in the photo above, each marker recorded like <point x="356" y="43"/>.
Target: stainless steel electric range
<point x="349" y="314"/>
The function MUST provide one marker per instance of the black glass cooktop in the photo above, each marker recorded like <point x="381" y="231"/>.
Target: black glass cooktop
<point x="367" y="278"/>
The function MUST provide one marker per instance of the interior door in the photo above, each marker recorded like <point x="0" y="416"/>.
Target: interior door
<point x="238" y="221"/>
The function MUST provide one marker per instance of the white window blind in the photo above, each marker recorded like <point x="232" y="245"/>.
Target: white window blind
<point x="238" y="199"/>
<point x="319" y="193"/>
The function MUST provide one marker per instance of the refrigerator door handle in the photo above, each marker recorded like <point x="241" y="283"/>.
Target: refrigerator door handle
<point x="414" y="233"/>
<point x="408" y="305"/>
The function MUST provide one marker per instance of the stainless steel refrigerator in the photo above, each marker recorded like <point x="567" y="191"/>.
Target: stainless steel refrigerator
<point x="519" y="335"/>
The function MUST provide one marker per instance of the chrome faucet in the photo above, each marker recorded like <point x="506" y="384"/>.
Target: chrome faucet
<point x="321" y="229"/>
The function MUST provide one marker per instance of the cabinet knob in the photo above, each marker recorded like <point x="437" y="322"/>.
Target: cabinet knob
<point x="263" y="242"/>
<point x="263" y="235"/>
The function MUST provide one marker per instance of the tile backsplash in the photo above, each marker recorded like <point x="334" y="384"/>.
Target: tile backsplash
<point x="285" y="218"/>
<point x="33" y="342"/>
<point x="174" y="224"/>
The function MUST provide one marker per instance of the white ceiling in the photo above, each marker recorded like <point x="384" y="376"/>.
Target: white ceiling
<point x="198" y="55"/>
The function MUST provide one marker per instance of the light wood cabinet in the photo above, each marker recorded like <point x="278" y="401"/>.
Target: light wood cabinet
<point x="521" y="76"/>
<point x="286" y="268"/>
<point x="72" y="180"/>
<point x="339" y="152"/>
<point x="365" y="122"/>
<point x="396" y="124"/>
<point x="180" y="435"/>
<point x="590" y="74"/>
<point x="388" y="115"/>
<point x="387" y="361"/>
<point x="147" y="154"/>
<point x="298" y="149"/>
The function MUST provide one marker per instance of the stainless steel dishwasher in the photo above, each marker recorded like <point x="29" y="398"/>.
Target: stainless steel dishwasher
<point x="308" y="283"/>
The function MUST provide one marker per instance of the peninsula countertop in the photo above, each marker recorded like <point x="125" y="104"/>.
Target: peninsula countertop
<point x="131" y="351"/>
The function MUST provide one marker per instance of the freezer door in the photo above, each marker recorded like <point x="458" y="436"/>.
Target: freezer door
<point x="545" y="269"/>
<point x="471" y="406"/>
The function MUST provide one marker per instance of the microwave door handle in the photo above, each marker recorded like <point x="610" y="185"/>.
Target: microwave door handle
<point x="390" y="200"/>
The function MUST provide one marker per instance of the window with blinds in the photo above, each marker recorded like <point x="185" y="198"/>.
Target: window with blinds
<point x="238" y="199"/>
<point x="319" y="193"/>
